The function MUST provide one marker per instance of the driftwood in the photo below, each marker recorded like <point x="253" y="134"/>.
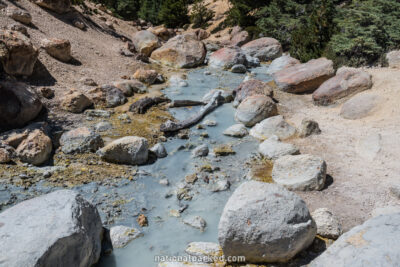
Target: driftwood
<point x="185" y="103"/>
<point x="142" y="105"/>
<point x="171" y="126"/>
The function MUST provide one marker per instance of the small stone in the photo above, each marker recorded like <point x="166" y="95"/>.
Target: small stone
<point x="47" y="92"/>
<point x="88" y="81"/>
<point x="200" y="151"/>
<point x="309" y="127"/>
<point x="19" y="15"/>
<point x="196" y="222"/>
<point x="142" y="220"/>
<point x="220" y="185"/>
<point x="210" y="123"/>
<point x="327" y="224"/>
<point x="98" y="113"/>
<point x="191" y="179"/>
<point x="75" y="102"/>
<point x="239" y="68"/>
<point x="103" y="126"/>
<point x="395" y="190"/>
<point x="237" y="130"/>
<point x="204" y="250"/>
<point x="80" y="140"/>
<point x="164" y="182"/>
<point x="122" y="235"/>
<point x="174" y="213"/>
<point x="146" y="76"/>
<point x="57" y="48"/>
<point x="224" y="150"/>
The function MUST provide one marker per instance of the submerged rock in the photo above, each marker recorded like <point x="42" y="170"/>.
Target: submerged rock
<point x="204" y="250"/>
<point x="122" y="235"/>
<point x="273" y="126"/>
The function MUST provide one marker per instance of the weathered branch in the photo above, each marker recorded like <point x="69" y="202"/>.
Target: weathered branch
<point x="185" y="103"/>
<point x="142" y="105"/>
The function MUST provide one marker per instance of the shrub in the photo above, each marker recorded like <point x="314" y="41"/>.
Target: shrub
<point x="200" y="15"/>
<point x="174" y="13"/>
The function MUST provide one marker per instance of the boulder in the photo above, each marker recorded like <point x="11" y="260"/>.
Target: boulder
<point x="280" y="63"/>
<point x="300" y="172"/>
<point x="58" y="6"/>
<point x="108" y="96"/>
<point x="374" y="243"/>
<point x="254" y="109"/>
<point x="264" y="49"/>
<point x="6" y="153"/>
<point x="146" y="76"/>
<point x="58" y="48"/>
<point x="19" y="15"/>
<point x="393" y="59"/>
<point x="236" y="130"/>
<point x="57" y="229"/>
<point x="131" y="150"/>
<point x="80" y="140"/>
<point x="75" y="102"/>
<point x="145" y="42"/>
<point x="162" y="32"/>
<point x="121" y="235"/>
<point x="249" y="88"/>
<point x="199" y="34"/>
<point x="273" y="126"/>
<point x="18" y="105"/>
<point x="35" y="149"/>
<point x="240" y="38"/>
<point x="360" y="106"/>
<point x="130" y="87"/>
<point x="159" y="150"/>
<point x="182" y="51"/>
<point x="265" y="223"/>
<point x="347" y="82"/>
<point x="17" y="54"/>
<point x="328" y="225"/>
<point x="272" y="148"/>
<point x="227" y="57"/>
<point x="309" y="127"/>
<point x="305" y="77"/>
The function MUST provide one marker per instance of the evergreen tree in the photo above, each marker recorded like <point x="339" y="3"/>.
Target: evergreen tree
<point x="200" y="15"/>
<point x="174" y="13"/>
<point x="149" y="10"/>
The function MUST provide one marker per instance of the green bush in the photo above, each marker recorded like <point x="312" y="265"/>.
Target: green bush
<point x="200" y="15"/>
<point x="174" y="13"/>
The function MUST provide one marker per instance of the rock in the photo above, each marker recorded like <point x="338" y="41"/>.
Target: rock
<point x="239" y="68"/>
<point x="67" y="227"/>
<point x="227" y="57"/>
<point x="200" y="34"/>
<point x="47" y="92"/>
<point x="88" y="81"/>
<point x="347" y="82"/>
<point x="393" y="59"/>
<point x="240" y="38"/>
<point x="273" y="126"/>
<point x="223" y="150"/>
<point x="374" y="243"/>
<point x="18" y="28"/>
<point x="220" y="185"/>
<point x="35" y="149"/>
<point x="272" y="148"/>
<point x="237" y="130"/>
<point x="212" y="47"/>
<point x="328" y="225"/>
<point x="204" y="250"/>
<point x="159" y="150"/>
<point x="360" y="106"/>
<point x="80" y="140"/>
<point x="145" y="42"/>
<point x="58" y="48"/>
<point x="98" y="113"/>
<point x="130" y="87"/>
<point x="19" y="15"/>
<point x="6" y="153"/>
<point x="200" y="151"/>
<point x="146" y="76"/>
<point x="122" y="235"/>
<point x="182" y="51"/>
<point x="178" y="80"/>
<point x="196" y="222"/>
<point x="162" y="32"/>
<point x="58" y="6"/>
<point x="306" y="77"/>
<point x="264" y="49"/>
<point x="254" y="109"/>
<point x="265" y="223"/>
<point x="17" y="54"/>
<point x="210" y="123"/>
<point x="309" y="127"/>
<point x="103" y="126"/>
<point x="227" y="95"/>
<point x="300" y="172"/>
<point x="385" y="210"/>
<point x="281" y="63"/>
<point x="164" y="182"/>
<point x="18" y="105"/>
<point x="191" y="179"/>
<point x="75" y="102"/>
<point x="79" y="24"/>
<point x="395" y="191"/>
<point x="249" y="88"/>
<point x="107" y="95"/>
<point x="129" y="150"/>
<point x="142" y="220"/>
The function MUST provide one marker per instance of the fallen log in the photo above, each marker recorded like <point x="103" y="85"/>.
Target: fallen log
<point x="143" y="104"/>
<point x="171" y="126"/>
<point x="185" y="103"/>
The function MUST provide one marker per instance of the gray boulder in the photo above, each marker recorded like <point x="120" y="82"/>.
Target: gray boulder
<point x="327" y="223"/>
<point x="80" y="140"/>
<point x="159" y="150"/>
<point x="263" y="48"/>
<point x="237" y="130"/>
<point x="57" y="229"/>
<point x="273" y="126"/>
<point x="265" y="223"/>
<point x="281" y="63"/>
<point x="272" y="148"/>
<point x="145" y="42"/>
<point x="374" y="243"/>
<point x="300" y="172"/>
<point x="254" y="109"/>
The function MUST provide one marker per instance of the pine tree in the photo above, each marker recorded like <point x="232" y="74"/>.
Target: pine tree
<point x="174" y="13"/>
<point x="200" y="15"/>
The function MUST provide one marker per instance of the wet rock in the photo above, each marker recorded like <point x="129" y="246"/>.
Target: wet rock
<point x="347" y="82"/>
<point x="146" y="76"/>
<point x="305" y="77"/>
<point x="6" y="153"/>
<point x="281" y="63"/>
<point x="200" y="151"/>
<point x="309" y="127"/>
<point x="75" y="102"/>
<point x="145" y="42"/>
<point x="19" y="15"/>
<point x="58" y="48"/>
<point x="265" y="223"/>
<point x="227" y="57"/>
<point x="239" y="68"/>
<point x="142" y="220"/>
<point x="393" y="59"/>
<point x="98" y="113"/>
<point x="240" y="38"/>
<point x="223" y="150"/>
<point x="182" y="51"/>
<point x="131" y="150"/>
<point x="107" y="95"/>
<point x="58" y="6"/>
<point x="220" y="185"/>
<point x="204" y="250"/>
<point x="159" y="150"/>
<point x="327" y="223"/>
<point x="273" y="126"/>
<point x="254" y="109"/>
<point x="122" y="235"/>
<point x="18" y="55"/>
<point x="80" y="140"/>
<point x="237" y="130"/>
<point x="18" y="105"/>
<point x="249" y="88"/>
<point x="300" y="172"/>
<point x="360" y="106"/>
<point x="103" y="126"/>
<point x="130" y="87"/>
<point x="272" y="148"/>
<point x="264" y="49"/>
<point x="196" y="222"/>
<point x="375" y="243"/>
<point x="35" y="149"/>
<point x="67" y="227"/>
